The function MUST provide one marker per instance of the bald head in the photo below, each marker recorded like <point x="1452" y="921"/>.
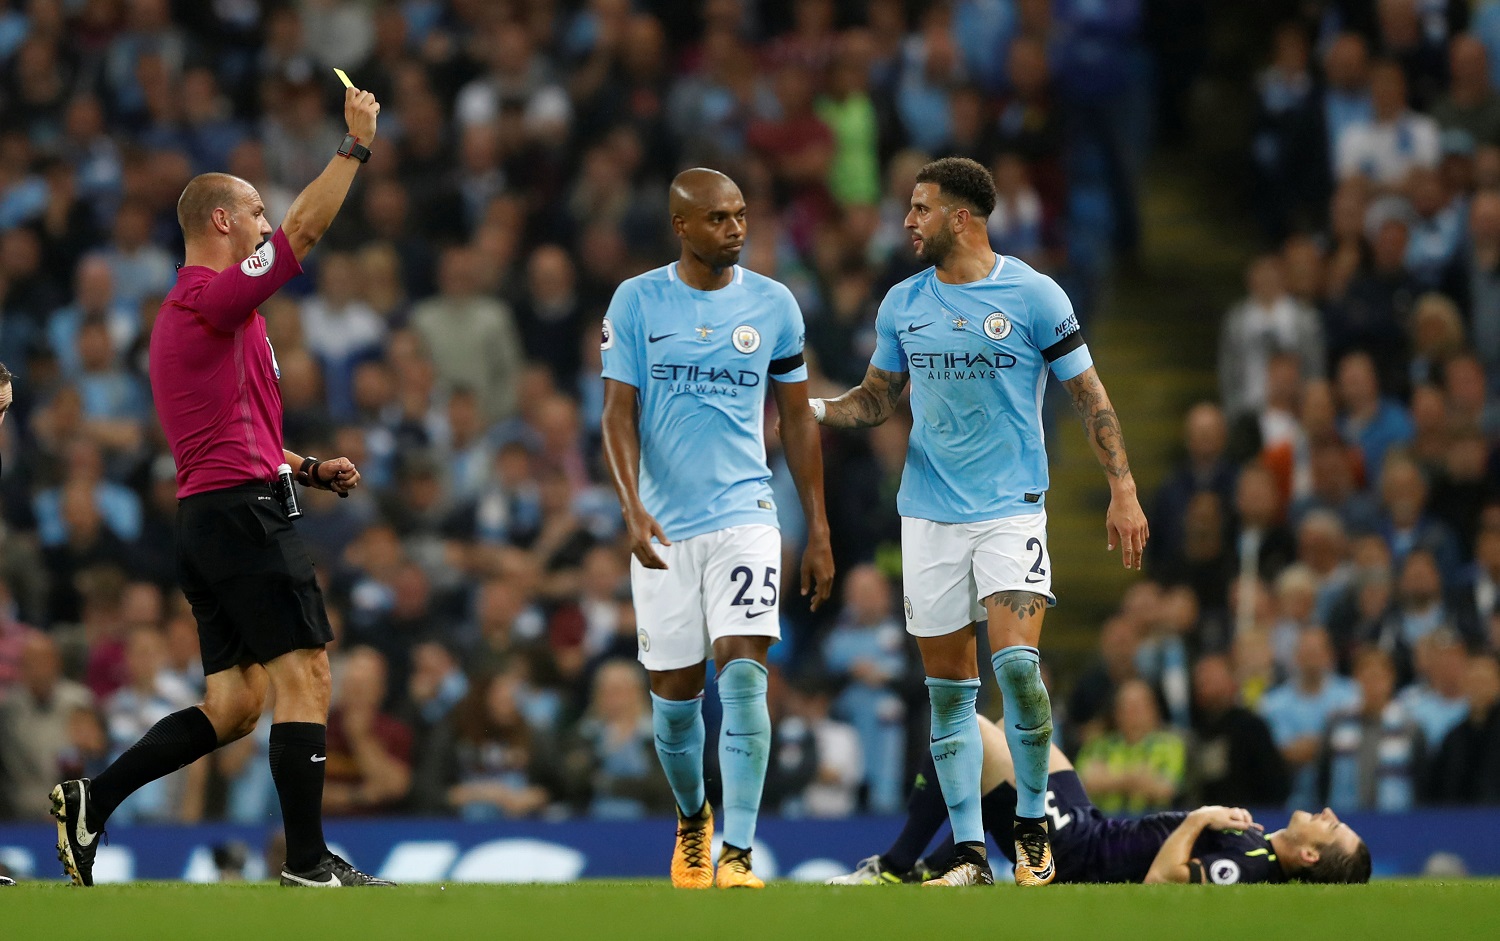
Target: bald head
<point x="708" y="215"/>
<point x="207" y="192"/>
<point x="698" y="188"/>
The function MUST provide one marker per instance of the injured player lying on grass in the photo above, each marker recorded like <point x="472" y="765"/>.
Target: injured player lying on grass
<point x="1218" y="845"/>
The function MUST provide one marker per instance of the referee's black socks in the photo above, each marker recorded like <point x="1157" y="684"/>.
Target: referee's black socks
<point x="175" y="742"/>
<point x="299" y="754"/>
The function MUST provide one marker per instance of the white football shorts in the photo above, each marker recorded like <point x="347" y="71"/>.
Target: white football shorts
<point x="948" y="567"/>
<point x="725" y="583"/>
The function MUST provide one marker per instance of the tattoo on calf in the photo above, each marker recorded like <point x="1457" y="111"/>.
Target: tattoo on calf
<point x="1023" y="604"/>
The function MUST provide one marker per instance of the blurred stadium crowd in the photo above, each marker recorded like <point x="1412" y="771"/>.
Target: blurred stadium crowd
<point x="446" y="340"/>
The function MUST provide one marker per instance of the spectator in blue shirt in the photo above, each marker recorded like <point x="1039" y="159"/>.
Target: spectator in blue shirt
<point x="118" y="505"/>
<point x="1369" y="420"/>
<point x="867" y="649"/>
<point x="94" y="297"/>
<point x="983" y="30"/>
<point x="1346" y="89"/>
<point x="1436" y="700"/>
<point x="1298" y="711"/>
<point x="930" y="68"/>
<point x="116" y="405"/>
<point x="1405" y="522"/>
<point x="1373" y="752"/>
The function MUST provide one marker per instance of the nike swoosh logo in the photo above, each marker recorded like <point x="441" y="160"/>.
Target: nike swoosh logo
<point x="945" y="737"/>
<point x="1034" y="581"/>
<point x="328" y="883"/>
<point x="913" y="328"/>
<point x="1035" y="728"/>
<point x="85" y="838"/>
<point x="756" y="614"/>
<point x="1045" y="874"/>
<point x="738" y="734"/>
<point x="318" y="758"/>
<point x="651" y="339"/>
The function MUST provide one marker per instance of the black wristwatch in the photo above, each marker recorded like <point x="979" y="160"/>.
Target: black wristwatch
<point x="308" y="469"/>
<point x="351" y="147"/>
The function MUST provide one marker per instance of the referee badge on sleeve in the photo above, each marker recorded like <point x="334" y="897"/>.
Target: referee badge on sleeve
<point x="607" y="338"/>
<point x="260" y="261"/>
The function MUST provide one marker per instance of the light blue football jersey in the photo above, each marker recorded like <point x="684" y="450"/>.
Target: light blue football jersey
<point x="978" y="355"/>
<point x="701" y="362"/>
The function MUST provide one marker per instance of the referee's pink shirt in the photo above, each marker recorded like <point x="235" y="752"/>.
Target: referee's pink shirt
<point x="214" y="376"/>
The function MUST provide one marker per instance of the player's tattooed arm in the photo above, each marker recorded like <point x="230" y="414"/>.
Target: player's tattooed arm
<point x="1092" y="404"/>
<point x="868" y="404"/>
<point x="1125" y="522"/>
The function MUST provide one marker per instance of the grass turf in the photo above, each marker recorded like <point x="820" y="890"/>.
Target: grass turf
<point x="614" y="911"/>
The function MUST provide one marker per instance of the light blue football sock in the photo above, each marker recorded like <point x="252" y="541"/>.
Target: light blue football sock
<point x="1028" y="725"/>
<point x="958" y="754"/>
<point x="679" y="746"/>
<point x="744" y="747"/>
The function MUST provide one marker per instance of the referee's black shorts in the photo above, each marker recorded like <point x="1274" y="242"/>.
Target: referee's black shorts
<point x="248" y="577"/>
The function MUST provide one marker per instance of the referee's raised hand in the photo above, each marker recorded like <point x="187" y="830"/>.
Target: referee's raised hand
<point x="360" y="111"/>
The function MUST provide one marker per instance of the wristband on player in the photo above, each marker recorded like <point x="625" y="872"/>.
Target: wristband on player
<point x="351" y="147"/>
<point x="307" y="474"/>
<point x="819" y="409"/>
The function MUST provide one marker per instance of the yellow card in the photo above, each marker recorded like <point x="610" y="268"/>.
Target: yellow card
<point x="343" y="78"/>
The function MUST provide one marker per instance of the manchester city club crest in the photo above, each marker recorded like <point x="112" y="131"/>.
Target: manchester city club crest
<point x="746" y="338"/>
<point x="608" y="338"/>
<point x="997" y="326"/>
<point x="906" y="603"/>
<point x="644" y="640"/>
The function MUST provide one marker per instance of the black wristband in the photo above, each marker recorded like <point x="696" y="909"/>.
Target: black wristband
<point x="307" y="473"/>
<point x="351" y="147"/>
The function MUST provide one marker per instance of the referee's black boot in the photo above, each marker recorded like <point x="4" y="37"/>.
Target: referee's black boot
<point x="76" y="843"/>
<point x="332" y="873"/>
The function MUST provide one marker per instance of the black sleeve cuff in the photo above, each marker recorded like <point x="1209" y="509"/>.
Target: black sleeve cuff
<point x="780" y="367"/>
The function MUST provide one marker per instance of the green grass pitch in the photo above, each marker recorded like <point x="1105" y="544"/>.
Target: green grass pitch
<point x="614" y="911"/>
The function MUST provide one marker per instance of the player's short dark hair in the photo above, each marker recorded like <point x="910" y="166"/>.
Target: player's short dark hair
<point x="1335" y="867"/>
<point x="5" y="375"/>
<point x="962" y="179"/>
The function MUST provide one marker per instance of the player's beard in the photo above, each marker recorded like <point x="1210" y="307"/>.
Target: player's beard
<point x="937" y="248"/>
<point x="721" y="259"/>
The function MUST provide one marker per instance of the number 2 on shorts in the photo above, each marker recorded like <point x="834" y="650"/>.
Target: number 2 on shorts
<point x="1036" y="567"/>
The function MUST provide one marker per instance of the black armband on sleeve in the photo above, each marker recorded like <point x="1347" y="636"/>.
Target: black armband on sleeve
<point x="1195" y="872"/>
<point x="780" y="367"/>
<point x="1063" y="347"/>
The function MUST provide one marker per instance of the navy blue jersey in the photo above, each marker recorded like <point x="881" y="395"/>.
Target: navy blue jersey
<point x="1089" y="847"/>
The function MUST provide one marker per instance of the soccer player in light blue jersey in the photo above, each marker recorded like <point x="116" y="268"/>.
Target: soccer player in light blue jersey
<point x="689" y="351"/>
<point x="976" y="335"/>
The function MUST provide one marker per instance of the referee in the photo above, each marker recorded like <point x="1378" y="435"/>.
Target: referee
<point x="242" y="566"/>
